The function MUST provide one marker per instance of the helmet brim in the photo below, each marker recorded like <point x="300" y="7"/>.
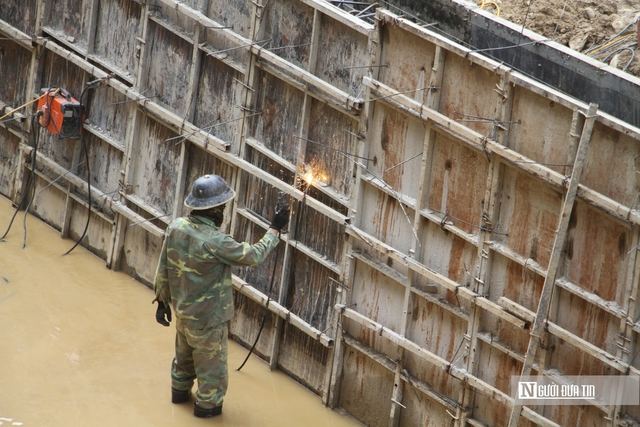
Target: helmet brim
<point x="211" y="202"/>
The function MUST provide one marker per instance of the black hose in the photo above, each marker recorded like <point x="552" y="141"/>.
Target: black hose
<point x="266" y="308"/>
<point x="86" y="154"/>
<point x="27" y="188"/>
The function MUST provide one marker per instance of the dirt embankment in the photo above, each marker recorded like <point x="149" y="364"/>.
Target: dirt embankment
<point x="605" y="30"/>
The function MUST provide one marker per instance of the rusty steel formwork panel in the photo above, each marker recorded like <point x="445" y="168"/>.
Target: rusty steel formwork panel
<point x="217" y="79"/>
<point x="118" y="45"/>
<point x="167" y="73"/>
<point x="70" y="21"/>
<point x="10" y="157"/>
<point x="14" y="60"/>
<point x="20" y="14"/>
<point x="288" y="27"/>
<point x="454" y="223"/>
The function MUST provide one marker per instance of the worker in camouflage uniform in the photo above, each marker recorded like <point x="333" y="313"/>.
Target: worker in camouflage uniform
<point x="194" y="275"/>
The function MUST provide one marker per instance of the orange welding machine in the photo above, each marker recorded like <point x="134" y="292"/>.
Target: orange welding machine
<point x="60" y="113"/>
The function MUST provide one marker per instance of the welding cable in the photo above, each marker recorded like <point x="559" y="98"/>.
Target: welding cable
<point x="629" y="48"/>
<point x="487" y="3"/>
<point x="273" y="274"/>
<point x="21" y="107"/>
<point x="86" y="154"/>
<point x="30" y="182"/>
<point x="617" y="37"/>
<point x="33" y="189"/>
<point x="266" y="308"/>
<point x="610" y="45"/>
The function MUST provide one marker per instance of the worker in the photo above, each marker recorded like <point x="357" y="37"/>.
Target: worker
<point x="194" y="275"/>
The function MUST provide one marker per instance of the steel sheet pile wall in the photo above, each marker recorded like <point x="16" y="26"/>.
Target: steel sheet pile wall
<point x="464" y="223"/>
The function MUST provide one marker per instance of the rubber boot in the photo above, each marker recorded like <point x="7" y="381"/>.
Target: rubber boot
<point x="180" y="396"/>
<point x="206" y="413"/>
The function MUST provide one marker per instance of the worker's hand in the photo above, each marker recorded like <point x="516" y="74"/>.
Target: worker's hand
<point x="280" y="219"/>
<point x="163" y="312"/>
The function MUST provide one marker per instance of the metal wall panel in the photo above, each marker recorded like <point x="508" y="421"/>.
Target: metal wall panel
<point x="465" y="223"/>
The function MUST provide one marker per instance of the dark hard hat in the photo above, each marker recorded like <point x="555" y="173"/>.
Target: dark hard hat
<point x="209" y="191"/>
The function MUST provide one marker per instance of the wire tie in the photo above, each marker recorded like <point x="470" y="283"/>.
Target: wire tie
<point x="444" y="221"/>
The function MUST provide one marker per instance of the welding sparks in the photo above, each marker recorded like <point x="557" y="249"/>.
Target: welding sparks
<point x="309" y="177"/>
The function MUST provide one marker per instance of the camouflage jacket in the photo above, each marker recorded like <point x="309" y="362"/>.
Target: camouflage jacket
<point x="194" y="271"/>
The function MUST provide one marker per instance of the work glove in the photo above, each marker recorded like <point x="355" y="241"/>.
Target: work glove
<point x="163" y="311"/>
<point x="280" y="219"/>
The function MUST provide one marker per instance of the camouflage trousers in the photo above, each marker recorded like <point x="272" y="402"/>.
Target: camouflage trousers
<point x="202" y="354"/>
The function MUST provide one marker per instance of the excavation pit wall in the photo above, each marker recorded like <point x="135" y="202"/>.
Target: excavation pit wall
<point x="455" y="203"/>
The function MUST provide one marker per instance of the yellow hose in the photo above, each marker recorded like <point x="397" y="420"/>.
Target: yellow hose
<point x="612" y="42"/>
<point x="21" y="107"/>
<point x="494" y="4"/>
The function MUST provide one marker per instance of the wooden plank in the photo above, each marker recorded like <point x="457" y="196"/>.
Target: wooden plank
<point x="481" y="386"/>
<point x="291" y="241"/>
<point x="194" y="133"/>
<point x="66" y="221"/>
<point x="486" y="337"/>
<point x="484" y="256"/>
<point x="259" y="146"/>
<point x="119" y="145"/>
<point x="260" y="298"/>
<point x="556" y="253"/>
<point x="93" y="24"/>
<point x="23" y="39"/>
<point x="542" y="315"/>
<point x="383" y="268"/>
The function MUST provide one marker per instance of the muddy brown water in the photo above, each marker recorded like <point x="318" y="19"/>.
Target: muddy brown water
<point x="79" y="346"/>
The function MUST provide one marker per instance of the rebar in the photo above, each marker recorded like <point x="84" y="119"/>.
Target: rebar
<point x="334" y="149"/>
<point x="402" y="93"/>
<point x="148" y="220"/>
<point x="208" y="129"/>
<point x="403" y="162"/>
<point x="366" y="66"/>
<point x="144" y="98"/>
<point x="289" y="46"/>
<point x="211" y="27"/>
<point x="61" y="176"/>
<point x="366" y="9"/>
<point x="239" y="47"/>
